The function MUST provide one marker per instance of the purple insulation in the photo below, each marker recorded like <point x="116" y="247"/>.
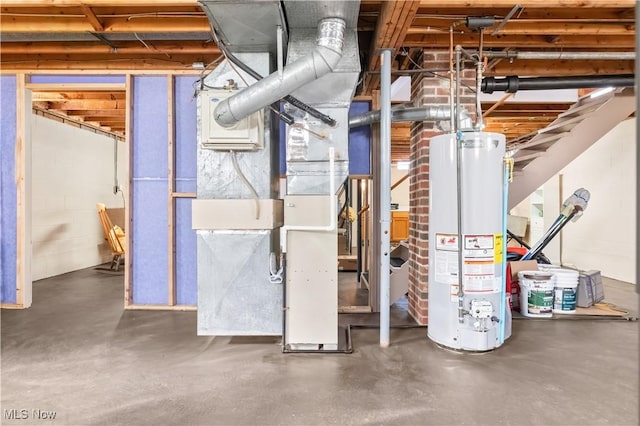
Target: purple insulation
<point x="150" y="187"/>
<point x="185" y="172"/>
<point x="8" y="213"/>
<point x="359" y="143"/>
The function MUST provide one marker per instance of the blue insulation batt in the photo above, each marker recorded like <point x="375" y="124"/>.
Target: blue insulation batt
<point x="150" y="190"/>
<point x="77" y="79"/>
<point x="185" y="173"/>
<point x="8" y="213"/>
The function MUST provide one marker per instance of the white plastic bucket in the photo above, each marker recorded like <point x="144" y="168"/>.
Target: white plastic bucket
<point x="536" y="293"/>
<point x="566" y="285"/>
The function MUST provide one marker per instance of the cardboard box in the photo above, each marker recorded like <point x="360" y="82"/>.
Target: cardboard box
<point x="522" y="265"/>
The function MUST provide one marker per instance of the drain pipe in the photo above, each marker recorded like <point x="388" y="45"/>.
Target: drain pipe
<point x="385" y="196"/>
<point x="513" y="83"/>
<point x="320" y="61"/>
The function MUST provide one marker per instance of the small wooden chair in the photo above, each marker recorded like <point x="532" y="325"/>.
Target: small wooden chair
<point x="114" y="235"/>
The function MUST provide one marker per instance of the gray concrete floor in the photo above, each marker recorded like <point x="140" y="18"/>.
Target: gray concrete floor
<point x="76" y="352"/>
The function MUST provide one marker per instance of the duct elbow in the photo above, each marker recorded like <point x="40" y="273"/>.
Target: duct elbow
<point x="322" y="60"/>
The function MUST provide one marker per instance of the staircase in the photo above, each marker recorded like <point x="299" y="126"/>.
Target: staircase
<point x="540" y="156"/>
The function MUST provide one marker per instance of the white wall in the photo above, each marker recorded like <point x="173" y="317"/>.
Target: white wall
<point x="72" y="171"/>
<point x="400" y="194"/>
<point x="605" y="237"/>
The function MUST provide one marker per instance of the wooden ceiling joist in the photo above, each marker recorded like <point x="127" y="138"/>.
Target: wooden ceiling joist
<point x="142" y="25"/>
<point x="120" y="47"/>
<point x="394" y="22"/>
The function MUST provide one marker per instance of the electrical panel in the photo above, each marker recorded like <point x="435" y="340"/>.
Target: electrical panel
<point x="246" y="135"/>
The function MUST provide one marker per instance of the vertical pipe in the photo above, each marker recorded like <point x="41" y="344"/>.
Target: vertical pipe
<point x="503" y="284"/>
<point x="385" y="194"/>
<point x="280" y="51"/>
<point x="452" y="109"/>
<point x="458" y="137"/>
<point x="479" y="123"/>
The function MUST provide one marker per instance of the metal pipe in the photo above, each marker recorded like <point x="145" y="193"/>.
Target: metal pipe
<point x="479" y="123"/>
<point x="320" y="61"/>
<point x="460" y="293"/>
<point x="451" y="85"/>
<point x="280" y="51"/>
<point x="502" y="23"/>
<point x="402" y="113"/>
<point x="512" y="83"/>
<point x="385" y="195"/>
<point x="602" y="56"/>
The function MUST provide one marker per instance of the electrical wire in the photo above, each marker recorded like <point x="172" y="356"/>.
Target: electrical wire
<point x="244" y="179"/>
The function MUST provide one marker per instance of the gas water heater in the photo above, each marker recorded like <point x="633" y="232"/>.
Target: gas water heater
<point x="475" y="316"/>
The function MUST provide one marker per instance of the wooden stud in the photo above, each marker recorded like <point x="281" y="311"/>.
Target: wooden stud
<point x="172" y="183"/>
<point x="161" y="308"/>
<point x="128" y="214"/>
<point x="23" y="192"/>
<point x="184" y="195"/>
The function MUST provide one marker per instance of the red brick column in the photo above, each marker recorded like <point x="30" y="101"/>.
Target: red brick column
<point x="429" y="90"/>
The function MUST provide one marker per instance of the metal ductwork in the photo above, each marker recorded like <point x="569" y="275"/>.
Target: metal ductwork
<point x="322" y="60"/>
<point x="402" y="113"/>
<point x="512" y="83"/>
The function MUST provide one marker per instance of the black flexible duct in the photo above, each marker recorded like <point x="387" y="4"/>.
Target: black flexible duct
<point x="513" y="83"/>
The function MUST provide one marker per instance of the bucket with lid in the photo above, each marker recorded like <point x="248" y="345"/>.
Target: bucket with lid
<point x="536" y="293"/>
<point x="566" y="285"/>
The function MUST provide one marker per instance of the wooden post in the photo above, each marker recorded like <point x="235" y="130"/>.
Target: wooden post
<point x="171" y="277"/>
<point x="128" y="215"/>
<point x="23" y="192"/>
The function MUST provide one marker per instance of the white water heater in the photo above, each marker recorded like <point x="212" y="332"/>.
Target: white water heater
<point x="476" y="317"/>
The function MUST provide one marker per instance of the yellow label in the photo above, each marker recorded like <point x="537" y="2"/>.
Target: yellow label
<point x="497" y="248"/>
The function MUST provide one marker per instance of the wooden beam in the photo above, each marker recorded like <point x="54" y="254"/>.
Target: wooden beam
<point x="116" y="113"/>
<point x="32" y="24"/>
<point x="120" y="66"/>
<point x="87" y="104"/>
<point x="497" y="104"/>
<point x="92" y="18"/>
<point x="131" y="307"/>
<point x="172" y="183"/>
<point x="122" y="48"/>
<point x="71" y="87"/>
<point x="65" y="96"/>
<point x="391" y="28"/>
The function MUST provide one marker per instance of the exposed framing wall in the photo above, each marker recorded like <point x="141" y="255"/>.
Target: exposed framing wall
<point x="180" y="187"/>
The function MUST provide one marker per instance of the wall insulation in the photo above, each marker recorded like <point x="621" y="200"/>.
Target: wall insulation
<point x="7" y="189"/>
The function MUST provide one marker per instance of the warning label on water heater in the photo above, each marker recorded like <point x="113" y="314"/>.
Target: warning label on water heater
<point x="479" y="274"/>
